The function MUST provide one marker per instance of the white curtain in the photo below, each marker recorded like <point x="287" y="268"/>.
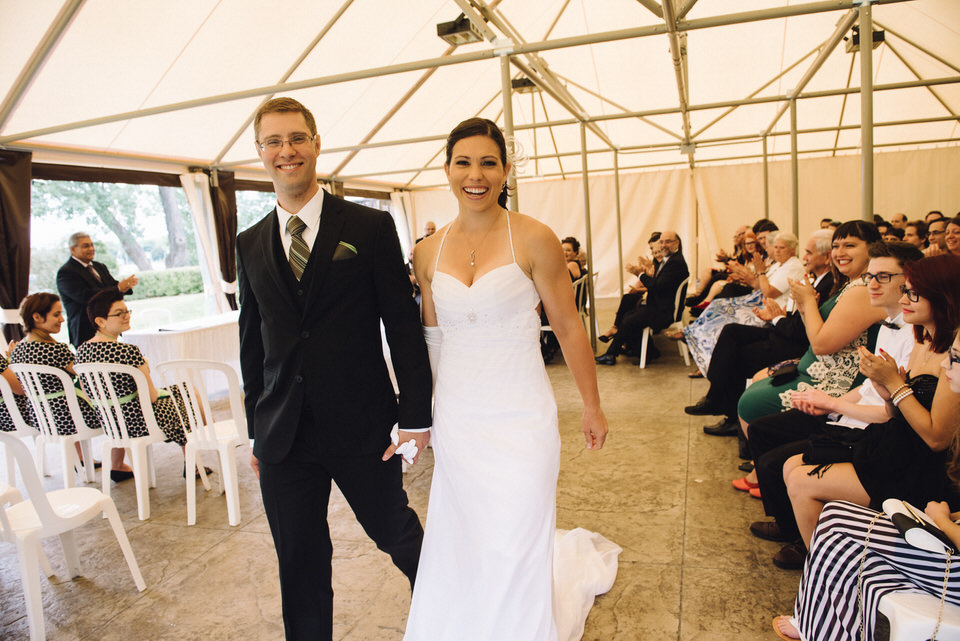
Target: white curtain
<point x="197" y="188"/>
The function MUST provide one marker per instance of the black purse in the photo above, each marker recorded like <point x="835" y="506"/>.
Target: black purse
<point x="784" y="374"/>
<point x="831" y="447"/>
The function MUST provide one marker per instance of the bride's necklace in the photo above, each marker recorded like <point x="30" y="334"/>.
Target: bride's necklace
<point x="474" y="248"/>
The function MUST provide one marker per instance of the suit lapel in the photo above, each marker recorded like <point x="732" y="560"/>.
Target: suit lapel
<point x="269" y="236"/>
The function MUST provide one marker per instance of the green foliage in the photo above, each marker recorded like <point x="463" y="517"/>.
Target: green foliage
<point x="252" y="206"/>
<point x="168" y="282"/>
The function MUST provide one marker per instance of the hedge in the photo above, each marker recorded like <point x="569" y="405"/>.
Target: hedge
<point x="169" y="282"/>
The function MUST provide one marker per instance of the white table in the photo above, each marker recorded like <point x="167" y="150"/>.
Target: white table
<point x="214" y="338"/>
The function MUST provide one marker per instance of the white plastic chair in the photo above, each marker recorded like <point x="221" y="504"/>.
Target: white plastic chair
<point x="189" y="379"/>
<point x="914" y="616"/>
<point x="676" y="325"/>
<point x="56" y="513"/>
<point x="97" y="381"/>
<point x="30" y="379"/>
<point x="23" y="429"/>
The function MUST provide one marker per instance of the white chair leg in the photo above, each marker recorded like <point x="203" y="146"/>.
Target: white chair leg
<point x="684" y="352"/>
<point x="39" y="443"/>
<point x="106" y="466"/>
<point x="141" y="471"/>
<point x="190" y="464"/>
<point x="201" y="469"/>
<point x="11" y="469"/>
<point x="150" y="466"/>
<point x="70" y="554"/>
<point x="67" y="458"/>
<point x="27" y="552"/>
<point x="228" y="476"/>
<point x="643" y="347"/>
<point x="110" y="512"/>
<point x="89" y="472"/>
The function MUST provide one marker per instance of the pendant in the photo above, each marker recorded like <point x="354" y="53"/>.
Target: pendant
<point x="473" y="255"/>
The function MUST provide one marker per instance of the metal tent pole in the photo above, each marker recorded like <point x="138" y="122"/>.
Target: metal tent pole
<point x="766" y="181"/>
<point x="794" y="167"/>
<point x="866" y="110"/>
<point x="616" y="183"/>
<point x="507" y="94"/>
<point x="589" y="237"/>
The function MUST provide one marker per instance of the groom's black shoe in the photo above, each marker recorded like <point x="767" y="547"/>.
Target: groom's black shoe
<point x="606" y="359"/>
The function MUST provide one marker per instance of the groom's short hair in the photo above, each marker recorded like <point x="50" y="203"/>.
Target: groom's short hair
<point x="280" y="105"/>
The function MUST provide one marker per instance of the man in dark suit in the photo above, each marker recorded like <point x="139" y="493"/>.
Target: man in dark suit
<point x="743" y="350"/>
<point x="316" y="277"/>
<point x="78" y="280"/>
<point x="662" y="282"/>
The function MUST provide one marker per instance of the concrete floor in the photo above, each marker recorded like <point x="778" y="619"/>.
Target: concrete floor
<point x="689" y="570"/>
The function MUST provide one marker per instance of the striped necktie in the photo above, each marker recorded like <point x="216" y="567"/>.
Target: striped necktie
<point x="299" y="252"/>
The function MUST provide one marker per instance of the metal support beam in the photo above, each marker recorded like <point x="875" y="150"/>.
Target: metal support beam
<point x="843" y="103"/>
<point x="843" y="26"/>
<point x="559" y="43"/>
<point x="286" y="76"/>
<point x="766" y="181"/>
<point x="866" y="111"/>
<point x="678" y="53"/>
<point x="507" y="93"/>
<point x="44" y="48"/>
<point x="794" y="168"/>
<point x="916" y="74"/>
<point x="918" y="47"/>
<point x="682" y="13"/>
<point x="616" y="191"/>
<point x="588" y="237"/>
<point x="653" y="6"/>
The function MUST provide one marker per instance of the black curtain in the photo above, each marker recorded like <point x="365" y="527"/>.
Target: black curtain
<point x="15" y="174"/>
<point x="223" y="194"/>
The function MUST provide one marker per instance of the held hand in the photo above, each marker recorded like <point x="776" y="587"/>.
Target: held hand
<point x="813" y="402"/>
<point x="421" y="440"/>
<point x="594" y="428"/>
<point x="255" y="465"/>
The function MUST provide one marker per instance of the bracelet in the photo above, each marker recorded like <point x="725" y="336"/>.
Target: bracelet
<point x="898" y="390"/>
<point x="761" y="273"/>
<point x="899" y="399"/>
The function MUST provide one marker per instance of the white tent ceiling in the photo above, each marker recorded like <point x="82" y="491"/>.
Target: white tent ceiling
<point x="165" y="85"/>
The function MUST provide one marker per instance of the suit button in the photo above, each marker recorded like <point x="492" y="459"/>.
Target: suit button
<point x="298" y="379"/>
<point x="299" y="292"/>
<point x="304" y="334"/>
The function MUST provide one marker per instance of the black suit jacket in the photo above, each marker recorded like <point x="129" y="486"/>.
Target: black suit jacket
<point x="662" y="290"/>
<point x="76" y="286"/>
<point x="316" y="343"/>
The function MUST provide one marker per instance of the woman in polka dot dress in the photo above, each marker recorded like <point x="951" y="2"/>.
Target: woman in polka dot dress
<point x="109" y="313"/>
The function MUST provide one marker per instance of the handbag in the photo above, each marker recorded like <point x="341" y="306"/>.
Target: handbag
<point x="830" y="447"/>
<point x="784" y="374"/>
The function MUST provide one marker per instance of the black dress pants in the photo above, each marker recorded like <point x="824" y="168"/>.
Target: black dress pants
<point x="630" y="331"/>
<point x="741" y="351"/>
<point x="628" y="303"/>
<point x="773" y="439"/>
<point x="296" y="493"/>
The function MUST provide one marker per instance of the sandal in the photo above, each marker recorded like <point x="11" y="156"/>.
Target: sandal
<point x="789" y="620"/>
<point x="744" y="485"/>
<point x="696" y="374"/>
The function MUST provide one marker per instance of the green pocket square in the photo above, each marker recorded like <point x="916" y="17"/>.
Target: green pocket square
<point x="344" y="251"/>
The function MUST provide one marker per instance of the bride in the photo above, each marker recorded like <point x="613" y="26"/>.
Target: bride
<point x="487" y="565"/>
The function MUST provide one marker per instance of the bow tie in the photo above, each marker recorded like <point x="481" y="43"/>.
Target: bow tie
<point x="890" y="325"/>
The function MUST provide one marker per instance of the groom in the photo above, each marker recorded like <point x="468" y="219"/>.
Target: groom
<point x="316" y="277"/>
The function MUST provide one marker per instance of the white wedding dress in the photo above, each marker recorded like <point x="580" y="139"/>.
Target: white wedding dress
<point x="487" y="567"/>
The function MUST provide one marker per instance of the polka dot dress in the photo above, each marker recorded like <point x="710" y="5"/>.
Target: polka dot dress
<point x="6" y="423"/>
<point x="165" y="408"/>
<point x="55" y="355"/>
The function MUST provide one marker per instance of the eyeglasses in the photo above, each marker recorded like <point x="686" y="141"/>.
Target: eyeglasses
<point x="881" y="277"/>
<point x="125" y="312"/>
<point x="954" y="356"/>
<point x="911" y="294"/>
<point x="276" y="143"/>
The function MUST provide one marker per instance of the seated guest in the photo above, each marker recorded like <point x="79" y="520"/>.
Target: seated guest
<point x="906" y="456"/>
<point x="726" y="284"/>
<point x="571" y="254"/>
<point x="769" y="281"/>
<point x="636" y="290"/>
<point x="826" y="223"/>
<point x="845" y="576"/>
<point x="109" y="314"/>
<point x="933" y="215"/>
<point x="42" y="316"/>
<point x="710" y="276"/>
<point x="936" y="231"/>
<point x="658" y="311"/>
<point x="764" y="230"/>
<point x="892" y="234"/>
<point x="836" y="329"/>
<point x="898" y="221"/>
<point x="915" y="233"/>
<point x="951" y="237"/>
<point x="774" y="439"/>
<point x="22" y="406"/>
<point x="742" y="350"/>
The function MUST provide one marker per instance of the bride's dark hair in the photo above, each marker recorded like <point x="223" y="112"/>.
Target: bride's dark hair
<point x="480" y="127"/>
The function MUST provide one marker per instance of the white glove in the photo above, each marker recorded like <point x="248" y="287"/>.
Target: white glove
<point x="407" y="450"/>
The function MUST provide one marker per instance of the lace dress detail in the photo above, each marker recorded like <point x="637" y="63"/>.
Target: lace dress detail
<point x="833" y="374"/>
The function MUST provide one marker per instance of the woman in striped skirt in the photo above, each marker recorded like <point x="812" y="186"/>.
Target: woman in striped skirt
<point x="856" y="544"/>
